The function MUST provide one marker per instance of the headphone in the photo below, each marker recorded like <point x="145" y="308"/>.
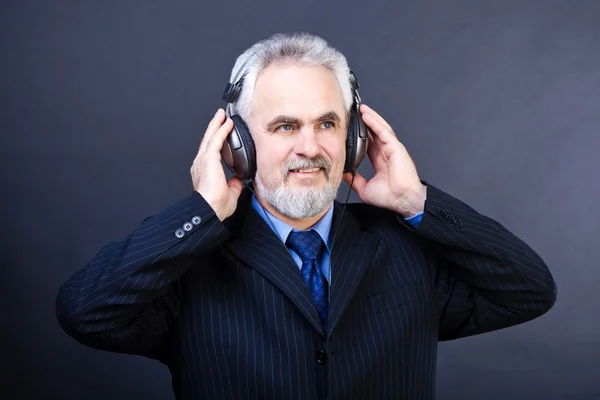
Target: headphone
<point x="239" y="152"/>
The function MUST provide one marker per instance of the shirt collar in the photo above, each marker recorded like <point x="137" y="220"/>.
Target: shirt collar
<point x="282" y="230"/>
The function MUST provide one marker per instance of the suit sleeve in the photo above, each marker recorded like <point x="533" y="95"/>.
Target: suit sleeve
<point x="126" y="297"/>
<point x="486" y="277"/>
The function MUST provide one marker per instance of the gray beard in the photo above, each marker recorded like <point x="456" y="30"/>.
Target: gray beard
<point x="299" y="203"/>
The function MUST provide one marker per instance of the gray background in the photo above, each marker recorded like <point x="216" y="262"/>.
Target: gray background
<point x="104" y="104"/>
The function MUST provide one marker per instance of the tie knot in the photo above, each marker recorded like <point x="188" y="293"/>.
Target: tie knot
<point x="307" y="244"/>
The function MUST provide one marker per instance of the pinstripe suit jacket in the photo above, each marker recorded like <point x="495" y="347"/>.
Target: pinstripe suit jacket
<point x="226" y="309"/>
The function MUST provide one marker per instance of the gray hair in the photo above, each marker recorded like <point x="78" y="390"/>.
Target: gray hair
<point x="301" y="48"/>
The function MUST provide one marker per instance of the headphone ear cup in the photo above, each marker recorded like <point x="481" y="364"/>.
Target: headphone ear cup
<point x="238" y="151"/>
<point x="350" y="142"/>
<point x="356" y="140"/>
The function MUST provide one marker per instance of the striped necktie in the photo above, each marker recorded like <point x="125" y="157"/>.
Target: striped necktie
<point x="309" y="246"/>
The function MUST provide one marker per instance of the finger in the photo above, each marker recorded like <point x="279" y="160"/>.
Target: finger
<point x="212" y="127"/>
<point x="374" y="142"/>
<point x="377" y="157"/>
<point x="218" y="138"/>
<point x="371" y="114"/>
<point x="366" y="109"/>
<point x="383" y="133"/>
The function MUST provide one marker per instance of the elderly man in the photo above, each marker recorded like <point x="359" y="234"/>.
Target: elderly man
<point x="271" y="288"/>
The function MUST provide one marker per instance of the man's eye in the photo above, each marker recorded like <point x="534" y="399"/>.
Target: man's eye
<point x="286" y="127"/>
<point x="328" y="124"/>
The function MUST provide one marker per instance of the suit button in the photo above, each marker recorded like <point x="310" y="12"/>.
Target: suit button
<point x="321" y="357"/>
<point x="179" y="233"/>
<point x="196" y="220"/>
<point x="188" y="226"/>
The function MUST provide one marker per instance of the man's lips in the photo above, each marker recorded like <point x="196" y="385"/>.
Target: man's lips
<point x="306" y="173"/>
<point x="306" y="170"/>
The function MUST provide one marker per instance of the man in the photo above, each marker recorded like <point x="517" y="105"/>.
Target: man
<point x="224" y="286"/>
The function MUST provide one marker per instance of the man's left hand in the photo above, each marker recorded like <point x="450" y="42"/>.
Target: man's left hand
<point x="395" y="184"/>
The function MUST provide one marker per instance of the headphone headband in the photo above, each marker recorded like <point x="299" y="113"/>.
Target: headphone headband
<point x="232" y="91"/>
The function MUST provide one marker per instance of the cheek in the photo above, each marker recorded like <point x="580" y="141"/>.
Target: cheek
<point x="336" y="150"/>
<point x="270" y="158"/>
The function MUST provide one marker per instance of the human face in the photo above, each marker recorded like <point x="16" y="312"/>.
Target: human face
<point x="298" y="123"/>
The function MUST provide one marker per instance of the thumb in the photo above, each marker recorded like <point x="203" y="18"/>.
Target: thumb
<point x="235" y="186"/>
<point x="359" y="182"/>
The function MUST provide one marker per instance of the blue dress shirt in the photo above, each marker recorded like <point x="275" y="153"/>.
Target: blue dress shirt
<point x="322" y="227"/>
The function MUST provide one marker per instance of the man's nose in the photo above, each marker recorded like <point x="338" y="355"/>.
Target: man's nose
<point x="307" y="144"/>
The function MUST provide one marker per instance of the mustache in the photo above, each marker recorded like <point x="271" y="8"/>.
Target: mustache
<point x="298" y="163"/>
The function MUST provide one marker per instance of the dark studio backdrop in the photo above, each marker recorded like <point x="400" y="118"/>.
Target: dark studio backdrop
<point x="104" y="103"/>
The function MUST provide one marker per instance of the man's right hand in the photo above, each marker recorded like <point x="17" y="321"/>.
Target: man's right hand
<point x="208" y="175"/>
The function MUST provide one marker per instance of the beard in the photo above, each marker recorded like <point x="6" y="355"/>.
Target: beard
<point x="304" y="202"/>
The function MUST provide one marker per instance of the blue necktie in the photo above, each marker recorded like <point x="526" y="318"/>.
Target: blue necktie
<point x="309" y="246"/>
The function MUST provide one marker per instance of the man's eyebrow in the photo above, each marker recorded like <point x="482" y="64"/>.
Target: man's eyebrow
<point x="284" y="119"/>
<point x="329" y="116"/>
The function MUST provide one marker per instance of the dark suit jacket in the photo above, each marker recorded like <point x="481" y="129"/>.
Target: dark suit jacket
<point x="226" y="309"/>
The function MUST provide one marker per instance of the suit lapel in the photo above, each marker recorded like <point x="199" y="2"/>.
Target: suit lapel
<point x="351" y="254"/>
<point x="256" y="245"/>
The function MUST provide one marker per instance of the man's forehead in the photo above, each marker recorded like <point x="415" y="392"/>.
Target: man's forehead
<point x="282" y="82"/>
<point x="301" y="93"/>
<point x="290" y="71"/>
